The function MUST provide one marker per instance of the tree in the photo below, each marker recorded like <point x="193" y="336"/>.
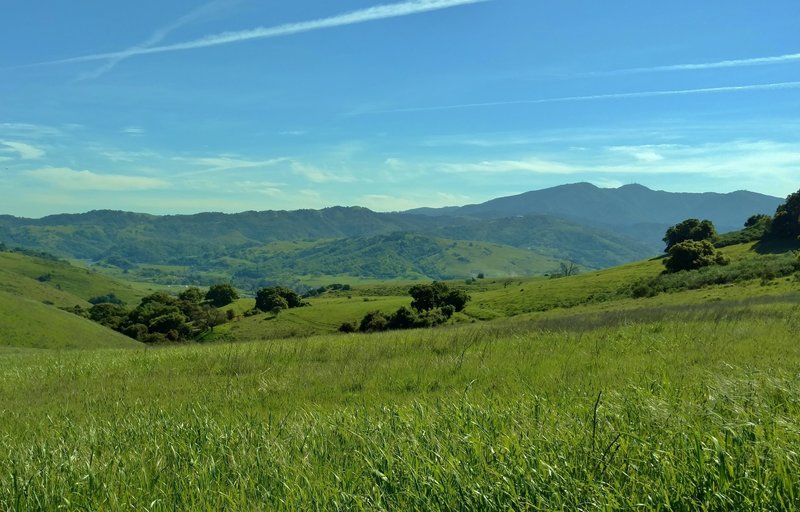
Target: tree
<point x="690" y="229"/>
<point x="270" y="299"/>
<point x="427" y="296"/>
<point x="457" y="299"/>
<point x="221" y="295"/>
<point x="436" y="295"/>
<point x="786" y="222"/>
<point x="192" y="294"/>
<point x="755" y="220"/>
<point x="691" y="255"/>
<point x="374" y="321"/>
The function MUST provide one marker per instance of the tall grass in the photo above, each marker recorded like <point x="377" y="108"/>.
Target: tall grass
<point x="695" y="410"/>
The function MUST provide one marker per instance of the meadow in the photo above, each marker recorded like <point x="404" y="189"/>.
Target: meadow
<point x="653" y="406"/>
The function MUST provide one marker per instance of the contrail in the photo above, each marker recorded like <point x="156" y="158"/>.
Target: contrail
<point x="564" y="99"/>
<point x="733" y="63"/>
<point x="158" y="36"/>
<point x="378" y="12"/>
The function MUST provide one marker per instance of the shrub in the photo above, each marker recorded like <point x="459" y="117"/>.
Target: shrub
<point x="691" y="255"/>
<point x="348" y="327"/>
<point x="373" y="321"/>
<point x="689" y="230"/>
<point x="221" y="295"/>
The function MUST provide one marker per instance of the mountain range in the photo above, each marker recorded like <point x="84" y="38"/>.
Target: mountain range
<point x="525" y="234"/>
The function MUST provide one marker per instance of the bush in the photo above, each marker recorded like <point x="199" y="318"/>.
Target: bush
<point x="221" y="295"/>
<point x="786" y="222"/>
<point x="268" y="299"/>
<point x="374" y="321"/>
<point x="691" y="255"/>
<point x="689" y="230"/>
<point x="348" y="327"/>
<point x="110" y="298"/>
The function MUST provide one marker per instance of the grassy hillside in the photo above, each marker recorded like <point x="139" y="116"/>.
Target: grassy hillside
<point x="588" y="292"/>
<point x="33" y="288"/>
<point x="60" y="276"/>
<point x="667" y="409"/>
<point x="253" y="247"/>
<point x="30" y="324"/>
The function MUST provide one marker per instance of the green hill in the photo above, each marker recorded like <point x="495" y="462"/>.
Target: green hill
<point x="58" y="280"/>
<point x="750" y="274"/>
<point x="253" y="246"/>
<point x="27" y="323"/>
<point x="682" y="401"/>
<point x="34" y="287"/>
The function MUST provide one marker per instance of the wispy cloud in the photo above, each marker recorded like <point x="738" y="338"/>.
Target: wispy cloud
<point x="133" y="130"/>
<point x="70" y="179"/>
<point x="751" y="162"/>
<point x="25" y="151"/>
<point x="378" y="12"/>
<point x="156" y="37"/>
<point x="732" y="63"/>
<point x="596" y="97"/>
<point x="527" y="165"/>
<point x="224" y="163"/>
<point x="318" y="175"/>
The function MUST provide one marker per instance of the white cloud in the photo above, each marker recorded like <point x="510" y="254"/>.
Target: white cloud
<point x="133" y="130"/>
<point x="25" y="151"/>
<point x="28" y="130"/>
<point x="377" y="12"/>
<point x="732" y="63"/>
<point x="224" y="163"/>
<point x="596" y="97"/>
<point x="646" y="153"/>
<point x="318" y="175"/>
<point x="70" y="179"/>
<point x="156" y="37"/>
<point x="762" y="165"/>
<point x="528" y="165"/>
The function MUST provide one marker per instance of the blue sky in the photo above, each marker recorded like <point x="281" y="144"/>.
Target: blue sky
<point x="230" y="105"/>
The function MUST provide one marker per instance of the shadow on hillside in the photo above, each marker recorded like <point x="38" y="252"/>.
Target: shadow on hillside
<point x="776" y="246"/>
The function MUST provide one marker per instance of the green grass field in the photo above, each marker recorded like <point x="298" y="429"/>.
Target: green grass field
<point x="585" y="399"/>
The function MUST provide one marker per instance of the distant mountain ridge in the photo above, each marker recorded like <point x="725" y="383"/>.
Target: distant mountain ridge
<point x="626" y="205"/>
<point x="591" y="226"/>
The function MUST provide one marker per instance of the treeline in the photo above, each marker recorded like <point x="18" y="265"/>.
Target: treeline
<point x="160" y="317"/>
<point x="694" y="261"/>
<point x="432" y="304"/>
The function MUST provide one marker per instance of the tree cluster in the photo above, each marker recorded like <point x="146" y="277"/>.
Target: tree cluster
<point x="786" y="221"/>
<point x="689" y="246"/>
<point x="277" y="298"/>
<point x="160" y="317"/>
<point x="432" y="304"/>
<point x="690" y="229"/>
<point x="691" y="255"/>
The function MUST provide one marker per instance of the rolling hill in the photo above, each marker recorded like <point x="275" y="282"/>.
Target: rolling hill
<point x="32" y="291"/>
<point x="593" y="227"/>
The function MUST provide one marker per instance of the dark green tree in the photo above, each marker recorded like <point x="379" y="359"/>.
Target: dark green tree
<point x="192" y="294"/>
<point x="222" y="294"/>
<point x="692" y="254"/>
<point x="374" y="321"/>
<point x="690" y="229"/>
<point x="755" y="220"/>
<point x="786" y="222"/>
<point x="457" y="299"/>
<point x="403" y="318"/>
<point x="428" y="296"/>
<point x="277" y="297"/>
<point x="436" y="295"/>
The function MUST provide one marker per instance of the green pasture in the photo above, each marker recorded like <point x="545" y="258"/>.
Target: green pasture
<point x="692" y="408"/>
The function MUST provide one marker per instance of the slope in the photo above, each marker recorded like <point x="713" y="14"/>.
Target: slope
<point x="26" y="323"/>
